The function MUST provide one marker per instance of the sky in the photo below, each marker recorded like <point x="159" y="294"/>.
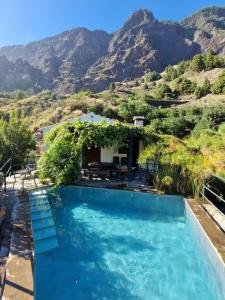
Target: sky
<point x="23" y="21"/>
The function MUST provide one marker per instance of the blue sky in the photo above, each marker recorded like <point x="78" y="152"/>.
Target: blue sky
<point x="22" y="21"/>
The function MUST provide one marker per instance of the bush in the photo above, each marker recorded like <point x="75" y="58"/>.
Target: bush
<point x="219" y="85"/>
<point x="97" y="108"/>
<point x="171" y="73"/>
<point x="128" y="108"/>
<point x="182" y="67"/>
<point x="197" y="63"/>
<point x="15" y="139"/>
<point x="206" y="62"/>
<point x="184" y="86"/>
<point x="212" y="61"/>
<point x="206" y="87"/>
<point x="198" y="92"/>
<point x="152" y="76"/>
<point x="162" y="91"/>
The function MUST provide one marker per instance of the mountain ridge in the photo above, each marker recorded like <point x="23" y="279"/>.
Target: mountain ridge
<point x="79" y="58"/>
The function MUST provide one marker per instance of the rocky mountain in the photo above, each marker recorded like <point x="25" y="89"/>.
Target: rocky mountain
<point x="81" y="58"/>
<point x="207" y="28"/>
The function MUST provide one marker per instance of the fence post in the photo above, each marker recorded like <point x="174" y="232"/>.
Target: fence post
<point x="5" y="183"/>
<point x="203" y="191"/>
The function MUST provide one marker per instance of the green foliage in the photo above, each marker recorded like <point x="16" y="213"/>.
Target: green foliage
<point x="206" y="87"/>
<point x="170" y="73"/>
<point x="183" y="164"/>
<point x="212" y="61"/>
<point x="174" y="125"/>
<point x="184" y="86"/>
<point x="219" y="86"/>
<point x="182" y="67"/>
<point x="181" y="121"/>
<point x="162" y="91"/>
<point x="15" y="139"/>
<point x="198" y="92"/>
<point x="201" y="91"/>
<point x="152" y="76"/>
<point x="197" y="63"/>
<point x="206" y="62"/>
<point x="97" y="108"/>
<point x="61" y="161"/>
<point x="130" y="108"/>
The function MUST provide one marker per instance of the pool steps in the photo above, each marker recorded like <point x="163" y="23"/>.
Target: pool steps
<point x="44" y="233"/>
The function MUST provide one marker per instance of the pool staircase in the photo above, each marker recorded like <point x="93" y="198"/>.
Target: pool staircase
<point x="44" y="233"/>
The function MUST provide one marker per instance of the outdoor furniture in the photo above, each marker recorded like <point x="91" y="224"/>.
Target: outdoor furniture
<point x="101" y="169"/>
<point x="24" y="173"/>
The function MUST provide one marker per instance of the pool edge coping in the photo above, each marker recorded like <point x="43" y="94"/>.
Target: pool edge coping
<point x="210" y="250"/>
<point x="202" y="229"/>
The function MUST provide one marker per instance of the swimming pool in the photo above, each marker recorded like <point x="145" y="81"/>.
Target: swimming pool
<point x="107" y="244"/>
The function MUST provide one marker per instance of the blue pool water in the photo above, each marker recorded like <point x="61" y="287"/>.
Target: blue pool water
<point x="118" y="245"/>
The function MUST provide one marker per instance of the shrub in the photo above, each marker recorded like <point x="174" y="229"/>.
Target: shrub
<point x="212" y="61"/>
<point x="219" y="85"/>
<point x="182" y="67"/>
<point x="15" y="139"/>
<point x="162" y="91"/>
<point x="152" y="76"/>
<point x="206" y="87"/>
<point x="170" y="73"/>
<point x="198" y="92"/>
<point x="197" y="63"/>
<point x="184" y="86"/>
<point x="61" y="161"/>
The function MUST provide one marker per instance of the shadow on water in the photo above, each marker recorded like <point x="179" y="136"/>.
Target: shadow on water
<point x="83" y="251"/>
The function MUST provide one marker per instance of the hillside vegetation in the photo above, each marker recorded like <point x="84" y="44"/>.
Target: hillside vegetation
<point x="200" y="82"/>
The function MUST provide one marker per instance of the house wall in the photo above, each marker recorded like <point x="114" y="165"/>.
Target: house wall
<point x="141" y="148"/>
<point x="108" y="153"/>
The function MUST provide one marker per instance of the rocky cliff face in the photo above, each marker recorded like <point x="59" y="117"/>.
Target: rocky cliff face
<point x="208" y="29"/>
<point x="80" y="58"/>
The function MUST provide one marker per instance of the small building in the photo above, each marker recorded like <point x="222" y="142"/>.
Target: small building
<point x="97" y="154"/>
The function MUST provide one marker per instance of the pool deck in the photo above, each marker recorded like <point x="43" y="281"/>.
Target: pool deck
<point x="213" y="230"/>
<point x="19" y="267"/>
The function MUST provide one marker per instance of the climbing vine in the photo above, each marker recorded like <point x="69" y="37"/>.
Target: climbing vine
<point x="61" y="161"/>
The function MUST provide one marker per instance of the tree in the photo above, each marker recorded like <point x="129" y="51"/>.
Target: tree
<point x="219" y="85"/>
<point x="15" y="138"/>
<point x="182" y="67"/>
<point x="206" y="88"/>
<point x="170" y="73"/>
<point x="212" y="61"/>
<point x="152" y="76"/>
<point x="163" y="91"/>
<point x="198" y="92"/>
<point x="184" y="86"/>
<point x="197" y="64"/>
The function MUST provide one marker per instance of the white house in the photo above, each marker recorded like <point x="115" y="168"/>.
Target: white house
<point x="104" y="155"/>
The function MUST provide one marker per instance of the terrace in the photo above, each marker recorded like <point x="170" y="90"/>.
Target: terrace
<point x="21" y="245"/>
<point x="125" y="192"/>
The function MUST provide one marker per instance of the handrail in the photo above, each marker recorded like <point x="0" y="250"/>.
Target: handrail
<point x="202" y="192"/>
<point x="220" y="198"/>
<point x="6" y="172"/>
<point x="5" y="164"/>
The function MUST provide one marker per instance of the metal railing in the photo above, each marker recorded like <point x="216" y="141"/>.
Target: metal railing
<point x="5" y="169"/>
<point x="204" y="197"/>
